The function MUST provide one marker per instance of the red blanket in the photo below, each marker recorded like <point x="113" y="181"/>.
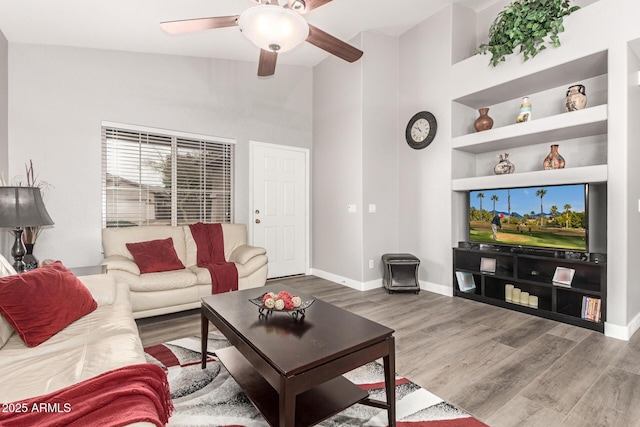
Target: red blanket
<point x="210" y="245"/>
<point x="119" y="397"/>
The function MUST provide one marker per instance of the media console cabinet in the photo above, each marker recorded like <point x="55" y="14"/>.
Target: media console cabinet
<point x="533" y="273"/>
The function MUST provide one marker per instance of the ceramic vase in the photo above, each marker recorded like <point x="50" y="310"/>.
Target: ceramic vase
<point x="553" y="160"/>
<point x="525" y="111"/>
<point x="576" y="98"/>
<point x="483" y="122"/>
<point x="504" y="166"/>
<point x="30" y="261"/>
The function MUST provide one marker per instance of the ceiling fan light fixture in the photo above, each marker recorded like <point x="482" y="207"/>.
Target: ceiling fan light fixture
<point x="270" y="27"/>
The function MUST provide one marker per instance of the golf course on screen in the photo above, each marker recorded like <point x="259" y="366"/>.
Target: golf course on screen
<point x="549" y="216"/>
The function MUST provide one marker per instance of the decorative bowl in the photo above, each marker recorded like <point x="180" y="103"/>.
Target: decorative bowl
<point x="295" y="312"/>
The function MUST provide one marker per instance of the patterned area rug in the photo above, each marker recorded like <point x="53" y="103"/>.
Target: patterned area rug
<point x="211" y="397"/>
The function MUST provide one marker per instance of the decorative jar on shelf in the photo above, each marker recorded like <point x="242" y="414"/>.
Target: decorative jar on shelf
<point x="525" y="111"/>
<point x="504" y="166"/>
<point x="576" y="98"/>
<point x="553" y="160"/>
<point x="483" y="122"/>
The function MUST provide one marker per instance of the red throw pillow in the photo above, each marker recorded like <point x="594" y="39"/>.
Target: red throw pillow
<point x="155" y="256"/>
<point x="42" y="302"/>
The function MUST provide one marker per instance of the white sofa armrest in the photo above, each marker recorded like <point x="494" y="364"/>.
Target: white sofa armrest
<point x="102" y="288"/>
<point x="242" y="254"/>
<point x="122" y="263"/>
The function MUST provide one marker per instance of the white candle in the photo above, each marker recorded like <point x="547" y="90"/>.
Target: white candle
<point x="524" y="298"/>
<point x="508" y="293"/>
<point x="515" y="295"/>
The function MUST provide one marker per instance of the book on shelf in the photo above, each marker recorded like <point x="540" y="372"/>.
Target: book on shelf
<point x="563" y="277"/>
<point x="591" y="309"/>
<point x="466" y="283"/>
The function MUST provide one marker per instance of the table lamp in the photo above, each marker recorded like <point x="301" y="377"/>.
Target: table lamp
<point x="21" y="207"/>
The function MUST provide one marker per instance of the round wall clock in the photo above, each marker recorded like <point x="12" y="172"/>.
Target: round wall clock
<point x="421" y="130"/>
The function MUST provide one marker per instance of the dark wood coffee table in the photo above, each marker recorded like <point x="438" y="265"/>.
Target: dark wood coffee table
<point x="290" y="368"/>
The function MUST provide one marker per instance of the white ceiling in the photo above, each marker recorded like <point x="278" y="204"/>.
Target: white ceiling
<point x="133" y="25"/>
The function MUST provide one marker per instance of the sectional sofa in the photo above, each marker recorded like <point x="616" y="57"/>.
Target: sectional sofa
<point x="97" y="337"/>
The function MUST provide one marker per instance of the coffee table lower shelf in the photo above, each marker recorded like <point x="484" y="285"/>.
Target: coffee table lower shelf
<point x="312" y="406"/>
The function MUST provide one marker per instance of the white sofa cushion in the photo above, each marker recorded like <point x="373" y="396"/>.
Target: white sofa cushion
<point x="164" y="280"/>
<point x="102" y="288"/>
<point x="242" y="254"/>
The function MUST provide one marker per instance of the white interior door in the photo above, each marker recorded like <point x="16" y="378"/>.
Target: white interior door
<point x="279" y="206"/>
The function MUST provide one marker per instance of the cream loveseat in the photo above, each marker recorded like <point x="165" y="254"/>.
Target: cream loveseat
<point x="102" y="340"/>
<point x="171" y="291"/>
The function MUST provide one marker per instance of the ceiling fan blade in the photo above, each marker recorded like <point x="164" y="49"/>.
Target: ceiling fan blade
<point x="199" y="24"/>
<point x="267" y="64"/>
<point x="335" y="46"/>
<point x="309" y="5"/>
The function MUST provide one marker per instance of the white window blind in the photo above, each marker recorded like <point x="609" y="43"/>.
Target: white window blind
<point x="154" y="178"/>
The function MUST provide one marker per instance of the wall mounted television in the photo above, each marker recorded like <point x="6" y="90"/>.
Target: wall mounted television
<point x="550" y="216"/>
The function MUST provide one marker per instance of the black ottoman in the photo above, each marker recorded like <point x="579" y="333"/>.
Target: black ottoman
<point x="401" y="272"/>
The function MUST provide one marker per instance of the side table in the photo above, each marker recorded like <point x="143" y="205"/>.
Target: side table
<point x="88" y="270"/>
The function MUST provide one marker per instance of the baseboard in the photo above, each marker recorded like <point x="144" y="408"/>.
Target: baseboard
<point x="374" y="284"/>
<point x="622" y="332"/>
<point x="437" y="288"/>
<point x="354" y="284"/>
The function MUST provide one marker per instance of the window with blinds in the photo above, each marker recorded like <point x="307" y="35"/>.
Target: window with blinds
<point x="153" y="178"/>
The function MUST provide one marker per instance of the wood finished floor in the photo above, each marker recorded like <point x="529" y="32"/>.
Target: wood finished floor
<point x="503" y="367"/>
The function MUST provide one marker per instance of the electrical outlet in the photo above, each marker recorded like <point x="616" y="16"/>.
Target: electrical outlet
<point x="370" y="263"/>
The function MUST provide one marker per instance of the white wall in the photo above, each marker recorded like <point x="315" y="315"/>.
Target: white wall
<point x="629" y="33"/>
<point x="380" y="146"/>
<point x="59" y="96"/>
<point x="4" y="135"/>
<point x="355" y="162"/>
<point x="425" y="175"/>
<point x="337" y="170"/>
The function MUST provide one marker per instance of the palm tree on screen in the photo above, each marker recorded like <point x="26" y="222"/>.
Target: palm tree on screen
<point x="553" y="211"/>
<point x="480" y="196"/>
<point x="566" y="210"/>
<point x="495" y="199"/>
<point x="540" y="193"/>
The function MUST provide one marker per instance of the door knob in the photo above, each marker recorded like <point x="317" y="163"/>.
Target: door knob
<point x="257" y="221"/>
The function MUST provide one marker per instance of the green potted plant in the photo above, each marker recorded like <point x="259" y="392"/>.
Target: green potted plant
<point x="526" y="24"/>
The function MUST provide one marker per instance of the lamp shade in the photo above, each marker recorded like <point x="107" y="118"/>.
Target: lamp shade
<point x="273" y="28"/>
<point x="22" y="207"/>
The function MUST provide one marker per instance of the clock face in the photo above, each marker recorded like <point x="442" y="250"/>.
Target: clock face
<point x="421" y="130"/>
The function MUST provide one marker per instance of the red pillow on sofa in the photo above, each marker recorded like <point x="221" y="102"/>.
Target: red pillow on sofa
<point x="155" y="256"/>
<point x="42" y="302"/>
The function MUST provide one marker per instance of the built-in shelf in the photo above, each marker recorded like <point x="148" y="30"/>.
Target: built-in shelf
<point x="571" y="71"/>
<point x="574" y="124"/>
<point x="577" y="175"/>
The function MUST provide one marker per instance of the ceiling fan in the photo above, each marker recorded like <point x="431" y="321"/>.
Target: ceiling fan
<point x="274" y="29"/>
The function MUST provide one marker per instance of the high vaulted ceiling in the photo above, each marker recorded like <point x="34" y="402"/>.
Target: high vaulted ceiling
<point x="133" y="25"/>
